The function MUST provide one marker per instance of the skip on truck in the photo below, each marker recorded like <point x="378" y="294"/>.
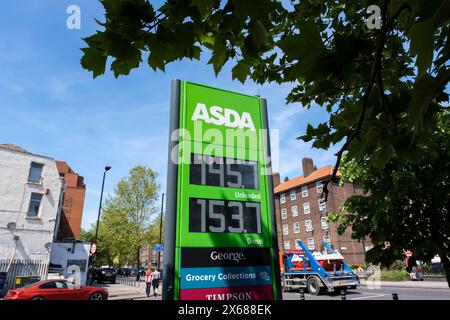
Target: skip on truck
<point x="317" y="272"/>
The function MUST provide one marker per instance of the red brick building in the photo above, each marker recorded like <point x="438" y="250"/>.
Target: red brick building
<point x="72" y="211"/>
<point x="301" y="214"/>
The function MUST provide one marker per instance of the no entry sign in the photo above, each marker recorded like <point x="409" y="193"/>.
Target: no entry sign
<point x="220" y="238"/>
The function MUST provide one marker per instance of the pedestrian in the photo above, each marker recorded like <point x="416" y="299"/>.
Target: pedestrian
<point x="148" y="281"/>
<point x="156" y="276"/>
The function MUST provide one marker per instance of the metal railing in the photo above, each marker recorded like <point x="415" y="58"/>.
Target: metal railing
<point x="22" y="268"/>
<point x="129" y="281"/>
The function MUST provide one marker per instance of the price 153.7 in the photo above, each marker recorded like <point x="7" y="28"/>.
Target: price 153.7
<point x="222" y="216"/>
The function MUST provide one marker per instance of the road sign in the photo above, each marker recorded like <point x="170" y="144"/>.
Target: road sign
<point x="93" y="249"/>
<point x="408" y="254"/>
<point x="220" y="238"/>
<point x="158" y="247"/>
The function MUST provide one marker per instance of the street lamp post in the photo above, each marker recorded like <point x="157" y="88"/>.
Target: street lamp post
<point x="107" y="168"/>
<point x="160" y="229"/>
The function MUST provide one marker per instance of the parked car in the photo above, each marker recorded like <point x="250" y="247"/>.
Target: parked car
<point x="56" y="290"/>
<point x="124" y="272"/>
<point x="135" y="272"/>
<point x="105" y="275"/>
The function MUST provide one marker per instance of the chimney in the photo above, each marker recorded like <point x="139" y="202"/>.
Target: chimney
<point x="276" y="179"/>
<point x="308" y="166"/>
<point x="286" y="179"/>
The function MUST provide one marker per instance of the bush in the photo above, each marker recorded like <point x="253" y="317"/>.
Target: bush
<point x="398" y="265"/>
<point x="394" y="275"/>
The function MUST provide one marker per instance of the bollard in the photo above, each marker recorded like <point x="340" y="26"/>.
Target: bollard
<point x="394" y="296"/>
<point x="302" y="294"/>
<point x="343" y="295"/>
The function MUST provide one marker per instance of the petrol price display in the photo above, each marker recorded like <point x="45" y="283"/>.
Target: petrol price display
<point x="220" y="226"/>
<point x="207" y="215"/>
<point x="207" y="170"/>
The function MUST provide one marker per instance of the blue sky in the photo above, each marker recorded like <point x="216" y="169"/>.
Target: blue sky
<point x="49" y="105"/>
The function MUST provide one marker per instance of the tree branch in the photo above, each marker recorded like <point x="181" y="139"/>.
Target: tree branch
<point x="375" y="72"/>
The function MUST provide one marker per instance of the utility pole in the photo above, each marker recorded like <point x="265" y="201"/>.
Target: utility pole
<point x="160" y="229"/>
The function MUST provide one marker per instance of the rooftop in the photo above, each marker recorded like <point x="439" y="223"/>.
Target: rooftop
<point x="13" y="147"/>
<point x="301" y="181"/>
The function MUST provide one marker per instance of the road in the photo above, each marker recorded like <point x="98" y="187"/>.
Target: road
<point x="405" y="291"/>
<point x="384" y="293"/>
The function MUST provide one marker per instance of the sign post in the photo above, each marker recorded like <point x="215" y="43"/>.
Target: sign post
<point x="220" y="238"/>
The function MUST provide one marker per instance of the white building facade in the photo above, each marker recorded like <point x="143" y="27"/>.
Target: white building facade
<point x="31" y="194"/>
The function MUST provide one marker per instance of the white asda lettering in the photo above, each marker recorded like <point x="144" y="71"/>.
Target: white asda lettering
<point x="223" y="117"/>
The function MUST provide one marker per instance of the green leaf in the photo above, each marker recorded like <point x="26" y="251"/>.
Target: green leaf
<point x="93" y="60"/>
<point x="258" y="10"/>
<point x="424" y="91"/>
<point x="219" y="56"/>
<point x="155" y="61"/>
<point x="130" y="59"/>
<point x="422" y="45"/>
<point x="260" y="36"/>
<point x="241" y="71"/>
<point x="307" y="47"/>
<point x="383" y="155"/>
<point x="204" y="6"/>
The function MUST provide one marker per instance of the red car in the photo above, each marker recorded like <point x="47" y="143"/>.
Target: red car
<point x="56" y="290"/>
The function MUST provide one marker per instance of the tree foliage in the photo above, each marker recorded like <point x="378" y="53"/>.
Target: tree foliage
<point x="406" y="204"/>
<point x="381" y="87"/>
<point x="127" y="222"/>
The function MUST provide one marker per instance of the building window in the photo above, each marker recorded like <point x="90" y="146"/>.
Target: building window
<point x="327" y="239"/>
<point x="310" y="243"/>
<point x="324" y="223"/>
<point x="297" y="246"/>
<point x="304" y="191"/>
<point x="306" y="208"/>
<point x="287" y="244"/>
<point x="296" y="227"/>
<point x="293" y="195"/>
<point x="294" y="211"/>
<point x="35" y="204"/>
<point x="308" y="225"/>
<point x="35" y="174"/>
<point x="319" y="187"/>
<point x="283" y="197"/>
<point x="283" y="213"/>
<point x="322" y="205"/>
<point x="285" y="229"/>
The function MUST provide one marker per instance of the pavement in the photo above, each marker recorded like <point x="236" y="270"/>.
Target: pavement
<point x="384" y="293"/>
<point x="405" y="290"/>
<point x="410" y="284"/>
<point x="125" y="292"/>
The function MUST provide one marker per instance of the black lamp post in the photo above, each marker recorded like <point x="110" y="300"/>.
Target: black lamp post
<point x="107" y="168"/>
<point x="160" y="228"/>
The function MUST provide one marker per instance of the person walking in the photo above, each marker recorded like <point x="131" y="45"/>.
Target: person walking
<point x="148" y="281"/>
<point x="156" y="276"/>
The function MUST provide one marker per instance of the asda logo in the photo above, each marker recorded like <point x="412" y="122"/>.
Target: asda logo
<point x="223" y="117"/>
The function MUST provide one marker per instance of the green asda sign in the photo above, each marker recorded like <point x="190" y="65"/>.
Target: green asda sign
<point x="220" y="236"/>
